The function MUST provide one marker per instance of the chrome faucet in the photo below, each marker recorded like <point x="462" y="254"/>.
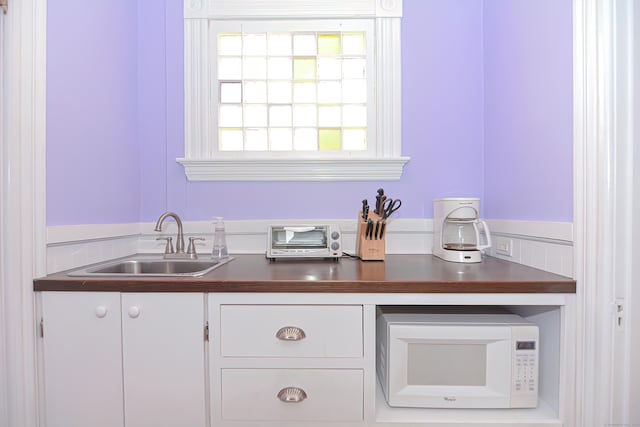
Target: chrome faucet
<point x="180" y="239"/>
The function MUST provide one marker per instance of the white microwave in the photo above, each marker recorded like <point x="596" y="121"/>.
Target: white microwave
<point x="457" y="357"/>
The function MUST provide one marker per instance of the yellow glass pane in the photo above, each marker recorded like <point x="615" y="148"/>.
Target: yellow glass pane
<point x="329" y="139"/>
<point x="329" y="44"/>
<point x="304" y="68"/>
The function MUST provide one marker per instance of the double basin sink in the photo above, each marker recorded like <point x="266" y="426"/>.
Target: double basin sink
<point x="151" y="265"/>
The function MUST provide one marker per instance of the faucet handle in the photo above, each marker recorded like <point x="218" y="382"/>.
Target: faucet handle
<point x="191" y="249"/>
<point x="169" y="247"/>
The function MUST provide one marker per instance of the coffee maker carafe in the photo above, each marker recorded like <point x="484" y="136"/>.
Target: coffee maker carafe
<point x="458" y="230"/>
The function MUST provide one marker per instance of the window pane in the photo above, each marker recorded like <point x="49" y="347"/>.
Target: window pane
<point x="304" y="92"/>
<point x="329" y="69"/>
<point x="231" y="92"/>
<point x="280" y="44"/>
<point x="304" y="68"/>
<point x="354" y="68"/>
<point x="354" y="91"/>
<point x="230" y="116"/>
<point x="230" y="140"/>
<point x="254" y="44"/>
<point x="280" y="139"/>
<point x="305" y="115"/>
<point x="353" y="44"/>
<point x="256" y="140"/>
<point x="329" y="44"/>
<point x="229" y="68"/>
<point x="255" y="92"/>
<point x="329" y="116"/>
<point x="230" y="45"/>
<point x="255" y="68"/>
<point x="329" y="139"/>
<point x="280" y="92"/>
<point x="304" y="44"/>
<point x="255" y="116"/>
<point x="280" y="68"/>
<point x="354" y="139"/>
<point x="305" y="139"/>
<point x="280" y="115"/>
<point x="329" y="92"/>
<point x="354" y="116"/>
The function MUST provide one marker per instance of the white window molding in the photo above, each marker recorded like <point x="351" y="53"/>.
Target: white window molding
<point x="385" y="162"/>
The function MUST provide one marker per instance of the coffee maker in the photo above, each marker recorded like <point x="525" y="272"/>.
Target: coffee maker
<point x="456" y="230"/>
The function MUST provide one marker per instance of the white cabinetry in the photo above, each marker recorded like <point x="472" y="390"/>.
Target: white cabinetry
<point x="113" y="359"/>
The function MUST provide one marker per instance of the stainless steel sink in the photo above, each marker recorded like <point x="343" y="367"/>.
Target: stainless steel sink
<point x="151" y="266"/>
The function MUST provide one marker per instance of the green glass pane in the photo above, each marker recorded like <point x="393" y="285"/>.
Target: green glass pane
<point x="230" y="140"/>
<point x="279" y="44"/>
<point x="230" y="44"/>
<point x="329" y="44"/>
<point x="304" y="44"/>
<point x="230" y="92"/>
<point x="354" y="139"/>
<point x="329" y="139"/>
<point x="305" y="139"/>
<point x="353" y="44"/>
<point x="256" y="140"/>
<point x="304" y="68"/>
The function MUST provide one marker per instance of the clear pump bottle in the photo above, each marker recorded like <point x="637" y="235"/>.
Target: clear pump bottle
<point x="220" y="250"/>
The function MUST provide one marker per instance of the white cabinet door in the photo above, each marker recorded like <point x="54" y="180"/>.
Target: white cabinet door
<point x="82" y="359"/>
<point x="163" y="359"/>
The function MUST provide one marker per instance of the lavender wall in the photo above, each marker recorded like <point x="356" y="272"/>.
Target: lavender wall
<point x="528" y="109"/>
<point x="443" y="120"/>
<point x="92" y="149"/>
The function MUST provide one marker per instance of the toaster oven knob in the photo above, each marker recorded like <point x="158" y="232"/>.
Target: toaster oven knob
<point x="335" y="246"/>
<point x="335" y="235"/>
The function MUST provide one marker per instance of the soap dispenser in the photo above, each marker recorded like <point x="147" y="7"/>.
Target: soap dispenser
<point x="220" y="250"/>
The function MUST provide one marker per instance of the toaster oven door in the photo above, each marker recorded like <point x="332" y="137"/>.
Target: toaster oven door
<point x="299" y="239"/>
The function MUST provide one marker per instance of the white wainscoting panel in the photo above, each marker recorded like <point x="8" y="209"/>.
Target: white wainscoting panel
<point x="547" y="246"/>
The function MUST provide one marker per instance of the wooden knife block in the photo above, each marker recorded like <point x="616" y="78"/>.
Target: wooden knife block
<point x="369" y="249"/>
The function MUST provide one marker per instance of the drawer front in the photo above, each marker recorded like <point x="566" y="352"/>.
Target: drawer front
<point x="304" y="331"/>
<point x="314" y="394"/>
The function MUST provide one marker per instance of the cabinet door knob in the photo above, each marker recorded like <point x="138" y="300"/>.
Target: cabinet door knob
<point x="134" y="311"/>
<point x="101" y="311"/>
<point x="292" y="395"/>
<point x="290" y="333"/>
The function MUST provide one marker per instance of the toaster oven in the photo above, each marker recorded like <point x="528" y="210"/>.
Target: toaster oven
<point x="304" y="241"/>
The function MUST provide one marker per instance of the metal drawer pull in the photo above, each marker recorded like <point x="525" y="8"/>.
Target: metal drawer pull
<point x="290" y="333"/>
<point x="292" y="395"/>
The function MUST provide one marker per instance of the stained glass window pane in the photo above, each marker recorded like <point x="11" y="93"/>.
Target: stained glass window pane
<point x="329" y="92"/>
<point x="353" y="44"/>
<point x="329" y="68"/>
<point x="229" y="68"/>
<point x="230" y="45"/>
<point x="230" y="116"/>
<point x="304" y="92"/>
<point x="254" y="44"/>
<point x="279" y="44"/>
<point x="280" y="68"/>
<point x="304" y="68"/>
<point x="354" y="116"/>
<point x="354" y="139"/>
<point x="304" y="44"/>
<point x="279" y="92"/>
<point x="354" y="91"/>
<point x="354" y="68"/>
<point x="329" y="139"/>
<point x="280" y="115"/>
<point x="305" y="115"/>
<point x="255" y="115"/>
<point x="329" y="116"/>
<point x="231" y="92"/>
<point x="254" y="68"/>
<point x="230" y="140"/>
<point x="255" y="92"/>
<point x="280" y="139"/>
<point x="256" y="140"/>
<point x="329" y="44"/>
<point x="305" y="139"/>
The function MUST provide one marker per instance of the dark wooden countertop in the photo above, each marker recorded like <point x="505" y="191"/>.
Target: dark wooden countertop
<point x="397" y="274"/>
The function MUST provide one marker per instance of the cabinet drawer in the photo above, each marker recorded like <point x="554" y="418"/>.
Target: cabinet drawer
<point x="329" y="394"/>
<point x="305" y="331"/>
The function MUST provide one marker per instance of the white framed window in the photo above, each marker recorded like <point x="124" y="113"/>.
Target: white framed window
<point x="292" y="90"/>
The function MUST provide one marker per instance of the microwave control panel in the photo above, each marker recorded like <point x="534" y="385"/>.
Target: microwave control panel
<point x="524" y="386"/>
